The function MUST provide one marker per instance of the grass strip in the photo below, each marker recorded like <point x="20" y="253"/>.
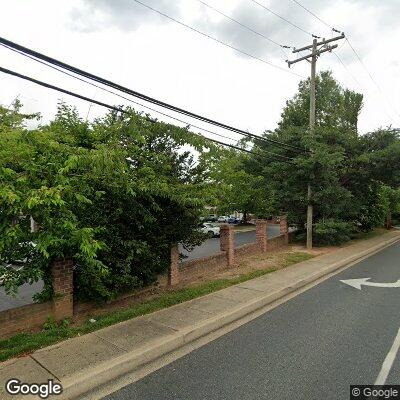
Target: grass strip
<point x="25" y="343"/>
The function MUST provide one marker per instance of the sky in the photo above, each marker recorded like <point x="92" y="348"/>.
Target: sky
<point x="128" y="43"/>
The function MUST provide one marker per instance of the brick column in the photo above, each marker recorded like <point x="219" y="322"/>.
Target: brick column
<point x="62" y="281"/>
<point x="173" y="272"/>
<point x="261" y="234"/>
<point x="227" y="243"/>
<point x="284" y="228"/>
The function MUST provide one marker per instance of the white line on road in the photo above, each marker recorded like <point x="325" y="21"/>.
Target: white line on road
<point x="389" y="360"/>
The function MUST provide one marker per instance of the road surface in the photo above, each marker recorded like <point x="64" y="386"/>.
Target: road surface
<point x="211" y="246"/>
<point x="310" y="347"/>
<point x="24" y="296"/>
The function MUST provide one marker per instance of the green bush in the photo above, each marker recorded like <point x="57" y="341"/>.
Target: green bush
<point x="332" y="232"/>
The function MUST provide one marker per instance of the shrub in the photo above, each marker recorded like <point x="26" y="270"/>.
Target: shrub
<point x="332" y="232"/>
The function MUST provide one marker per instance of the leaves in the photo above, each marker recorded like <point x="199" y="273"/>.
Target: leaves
<point x="114" y="195"/>
<point x="346" y="171"/>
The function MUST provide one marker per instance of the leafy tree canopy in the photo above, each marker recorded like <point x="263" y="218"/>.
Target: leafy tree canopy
<point x="114" y="194"/>
<point x="350" y="173"/>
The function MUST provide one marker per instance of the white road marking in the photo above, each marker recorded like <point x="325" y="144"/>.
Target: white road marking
<point x="357" y="283"/>
<point x="389" y="360"/>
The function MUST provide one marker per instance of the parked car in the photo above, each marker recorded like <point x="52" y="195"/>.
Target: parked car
<point x="211" y="229"/>
<point x="223" y="218"/>
<point x="233" y="220"/>
<point x="211" y="218"/>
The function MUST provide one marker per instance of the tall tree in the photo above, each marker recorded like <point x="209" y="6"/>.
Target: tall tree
<point x="346" y="170"/>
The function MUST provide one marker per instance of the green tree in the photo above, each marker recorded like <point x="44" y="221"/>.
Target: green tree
<point x="347" y="171"/>
<point x="114" y="194"/>
<point x="235" y="189"/>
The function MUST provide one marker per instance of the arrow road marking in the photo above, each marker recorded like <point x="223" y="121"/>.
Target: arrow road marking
<point x="357" y="283"/>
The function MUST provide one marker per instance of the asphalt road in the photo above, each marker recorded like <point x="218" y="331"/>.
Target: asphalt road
<point x="24" y="296"/>
<point x="211" y="246"/>
<point x="311" y="347"/>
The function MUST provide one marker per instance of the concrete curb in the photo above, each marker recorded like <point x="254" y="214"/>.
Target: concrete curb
<point x="80" y="384"/>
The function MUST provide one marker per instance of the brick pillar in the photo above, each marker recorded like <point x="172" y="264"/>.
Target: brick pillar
<point x="284" y="228"/>
<point x="173" y="272"/>
<point x="261" y="234"/>
<point x="62" y="281"/>
<point x="227" y="243"/>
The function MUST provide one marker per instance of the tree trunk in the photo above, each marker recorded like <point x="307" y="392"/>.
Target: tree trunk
<point x="389" y="220"/>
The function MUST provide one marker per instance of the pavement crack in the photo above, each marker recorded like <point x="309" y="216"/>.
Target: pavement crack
<point x="45" y="368"/>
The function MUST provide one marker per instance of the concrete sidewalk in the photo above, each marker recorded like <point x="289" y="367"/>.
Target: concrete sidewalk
<point x="83" y="363"/>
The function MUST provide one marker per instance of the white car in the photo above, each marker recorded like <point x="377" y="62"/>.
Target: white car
<point x="211" y="229"/>
<point x="223" y="218"/>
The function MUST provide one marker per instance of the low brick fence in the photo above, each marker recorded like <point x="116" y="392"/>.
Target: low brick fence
<point x="229" y="256"/>
<point x="22" y="318"/>
<point x="33" y="316"/>
<point x="215" y="262"/>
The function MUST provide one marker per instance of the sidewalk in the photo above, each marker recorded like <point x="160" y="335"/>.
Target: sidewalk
<point x="82" y="363"/>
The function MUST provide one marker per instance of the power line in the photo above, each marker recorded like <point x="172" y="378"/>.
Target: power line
<point x="316" y="16"/>
<point x="126" y="98"/>
<point x="216" y="39"/>
<point x="355" y="53"/>
<point x="90" y="100"/>
<point x="347" y="69"/>
<point x="365" y="67"/>
<point x="282" y="47"/>
<point x="356" y="80"/>
<point x="372" y="78"/>
<point x="133" y="93"/>
<point x="118" y="109"/>
<point x="284" y="19"/>
<point x="114" y="93"/>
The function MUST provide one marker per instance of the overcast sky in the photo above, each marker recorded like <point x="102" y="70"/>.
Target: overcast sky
<point x="132" y="45"/>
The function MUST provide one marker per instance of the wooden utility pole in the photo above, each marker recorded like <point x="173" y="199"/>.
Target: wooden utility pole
<point x="315" y="52"/>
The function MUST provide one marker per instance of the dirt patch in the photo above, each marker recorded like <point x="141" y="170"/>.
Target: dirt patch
<point x="274" y="260"/>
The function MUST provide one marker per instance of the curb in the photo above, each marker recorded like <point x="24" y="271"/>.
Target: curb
<point x="83" y="383"/>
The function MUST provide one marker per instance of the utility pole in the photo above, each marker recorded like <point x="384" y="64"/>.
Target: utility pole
<point x="315" y="52"/>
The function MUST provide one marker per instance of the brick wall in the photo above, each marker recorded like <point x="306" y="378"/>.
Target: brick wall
<point x="247" y="249"/>
<point x="261" y="234"/>
<point x="276" y="242"/>
<point x="253" y="248"/>
<point x="173" y="272"/>
<point x="216" y="262"/>
<point x="33" y="316"/>
<point x="284" y="229"/>
<point x="227" y="243"/>
<point x="62" y="281"/>
<point x="29" y="317"/>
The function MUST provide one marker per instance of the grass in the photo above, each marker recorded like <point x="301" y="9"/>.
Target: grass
<point x="368" y="235"/>
<point x="354" y="237"/>
<point x="25" y="343"/>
